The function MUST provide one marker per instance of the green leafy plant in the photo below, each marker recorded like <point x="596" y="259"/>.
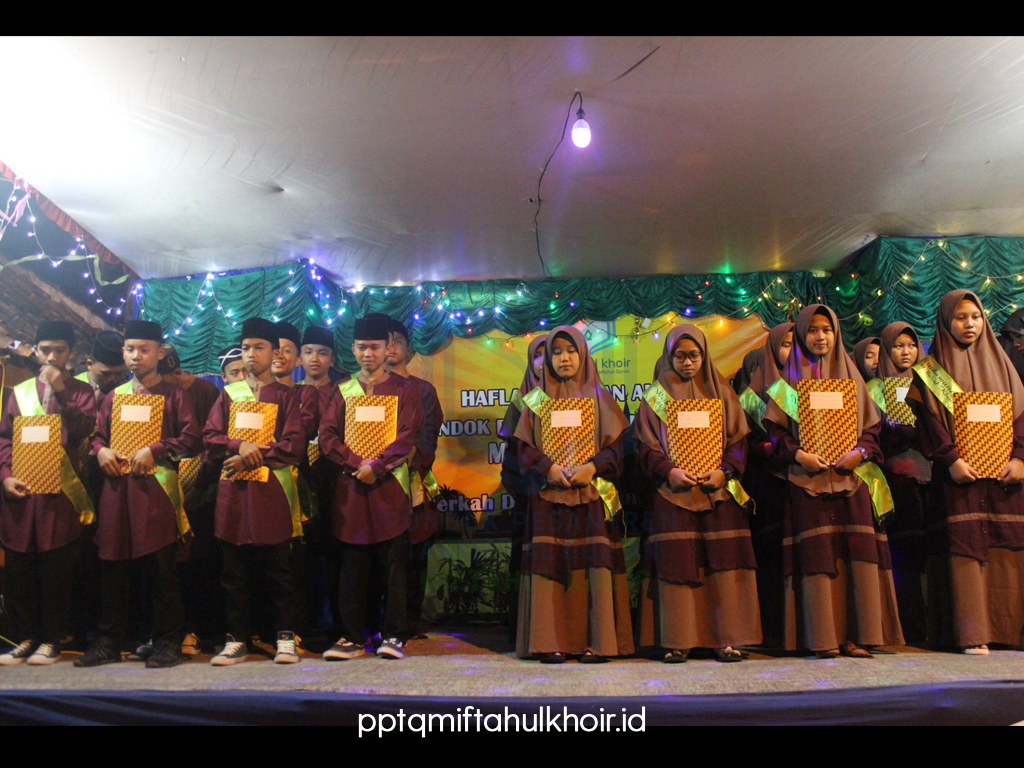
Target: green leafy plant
<point x="483" y="581"/>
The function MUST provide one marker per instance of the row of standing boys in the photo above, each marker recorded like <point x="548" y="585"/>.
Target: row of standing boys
<point x="309" y="505"/>
<point x="812" y="568"/>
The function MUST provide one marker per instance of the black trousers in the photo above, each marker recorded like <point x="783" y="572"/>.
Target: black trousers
<point x="358" y="562"/>
<point x="416" y="583"/>
<point x="38" y="594"/>
<point x="165" y="591"/>
<point x="240" y="564"/>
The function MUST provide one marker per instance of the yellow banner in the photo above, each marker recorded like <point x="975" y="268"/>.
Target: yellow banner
<point x="476" y="379"/>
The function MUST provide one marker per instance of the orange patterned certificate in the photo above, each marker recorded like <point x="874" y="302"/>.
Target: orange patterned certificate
<point x="827" y="410"/>
<point x="36" y="460"/>
<point x="567" y="431"/>
<point x="983" y="427"/>
<point x="253" y="422"/>
<point x="897" y="411"/>
<point x="371" y="424"/>
<point x="136" y="422"/>
<point x="188" y="472"/>
<point x="695" y="435"/>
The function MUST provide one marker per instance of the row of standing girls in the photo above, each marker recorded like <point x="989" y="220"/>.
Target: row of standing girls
<point x="812" y="569"/>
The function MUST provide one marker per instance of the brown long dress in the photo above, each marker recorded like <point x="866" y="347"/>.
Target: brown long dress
<point x="980" y="598"/>
<point x="573" y="593"/>
<point x="702" y="590"/>
<point x="836" y="588"/>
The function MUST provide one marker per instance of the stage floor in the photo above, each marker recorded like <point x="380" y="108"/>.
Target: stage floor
<point x="479" y="662"/>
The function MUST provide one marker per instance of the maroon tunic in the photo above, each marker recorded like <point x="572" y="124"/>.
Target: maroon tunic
<point x="136" y="518"/>
<point x="424" y="523"/>
<point x="681" y="542"/>
<point x="561" y="538"/>
<point x="41" y="522"/>
<point x="979" y="515"/>
<point x="248" y="511"/>
<point x="369" y="514"/>
<point x="309" y="409"/>
<point x="202" y="394"/>
<point x="819" y="530"/>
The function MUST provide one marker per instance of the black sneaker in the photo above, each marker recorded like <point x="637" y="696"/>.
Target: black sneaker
<point x="165" y="655"/>
<point x="286" y="652"/>
<point x="342" y="650"/>
<point x="98" y="654"/>
<point x="19" y="654"/>
<point x="234" y="653"/>
<point x="391" y="648"/>
<point x="45" y="654"/>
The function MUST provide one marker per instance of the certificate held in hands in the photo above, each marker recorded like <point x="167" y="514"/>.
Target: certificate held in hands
<point x="253" y="422"/>
<point x="695" y="435"/>
<point x="36" y="459"/>
<point x="567" y="431"/>
<point x="371" y="424"/>
<point x="136" y="422"/>
<point x="983" y="430"/>
<point x="897" y="411"/>
<point x="827" y="411"/>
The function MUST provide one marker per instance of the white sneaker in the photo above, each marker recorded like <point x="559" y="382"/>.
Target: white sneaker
<point x="17" y="655"/>
<point x="286" y="653"/>
<point x="974" y="650"/>
<point x="233" y="653"/>
<point x="391" y="649"/>
<point x="45" y="654"/>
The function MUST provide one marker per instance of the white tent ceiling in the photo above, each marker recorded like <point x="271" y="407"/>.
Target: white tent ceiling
<point x="398" y="159"/>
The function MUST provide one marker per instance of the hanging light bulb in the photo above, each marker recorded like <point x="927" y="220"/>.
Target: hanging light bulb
<point x="580" y="130"/>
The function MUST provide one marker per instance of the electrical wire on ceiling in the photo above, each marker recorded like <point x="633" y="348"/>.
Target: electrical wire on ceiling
<point x="536" y="223"/>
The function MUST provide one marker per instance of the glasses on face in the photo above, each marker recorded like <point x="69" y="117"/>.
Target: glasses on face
<point x="693" y="357"/>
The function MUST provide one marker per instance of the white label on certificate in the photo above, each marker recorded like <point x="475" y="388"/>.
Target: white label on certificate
<point x="135" y="413"/>
<point x="35" y="434"/>
<point x="693" y="419"/>
<point x="566" y="418"/>
<point x="369" y="413"/>
<point x="981" y="412"/>
<point x="901" y="394"/>
<point x="826" y="401"/>
<point x="247" y="420"/>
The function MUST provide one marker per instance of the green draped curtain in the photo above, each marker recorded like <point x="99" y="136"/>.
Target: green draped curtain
<point x="200" y="313"/>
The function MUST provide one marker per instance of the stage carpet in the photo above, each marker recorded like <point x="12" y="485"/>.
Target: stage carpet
<point x="451" y="670"/>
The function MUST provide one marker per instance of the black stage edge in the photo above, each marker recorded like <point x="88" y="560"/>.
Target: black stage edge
<point x="965" y="703"/>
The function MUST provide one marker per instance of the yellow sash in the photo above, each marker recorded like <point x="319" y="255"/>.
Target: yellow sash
<point x="28" y="402"/>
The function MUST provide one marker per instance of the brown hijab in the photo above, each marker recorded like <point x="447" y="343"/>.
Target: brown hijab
<point x="770" y="369"/>
<point x="981" y="367"/>
<point x="886" y="367"/>
<point x="530" y="380"/>
<point x="860" y="349"/>
<point x="803" y="364"/>
<point x="707" y="384"/>
<point x="609" y="420"/>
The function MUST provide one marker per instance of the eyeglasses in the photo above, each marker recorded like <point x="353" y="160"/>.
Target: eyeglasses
<point x="693" y="357"/>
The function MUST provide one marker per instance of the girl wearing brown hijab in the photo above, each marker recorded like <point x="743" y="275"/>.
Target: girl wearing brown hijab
<point x="984" y="518"/>
<point x="908" y="473"/>
<point x="518" y="483"/>
<point x="703" y="591"/>
<point x="838" y="600"/>
<point x="865" y="355"/>
<point x="574" y="598"/>
<point x="765" y="480"/>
